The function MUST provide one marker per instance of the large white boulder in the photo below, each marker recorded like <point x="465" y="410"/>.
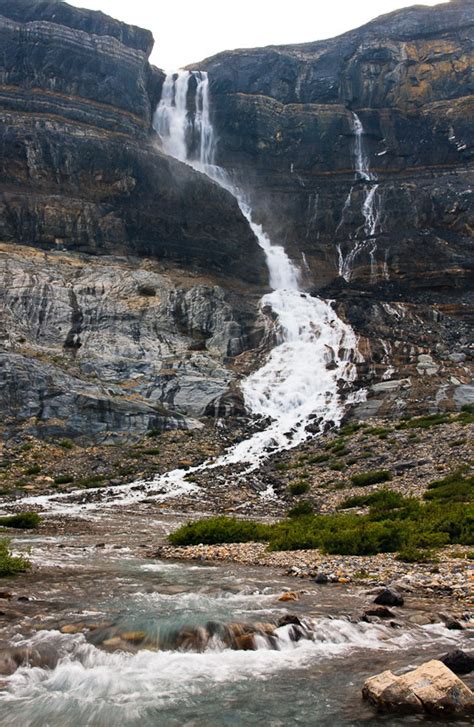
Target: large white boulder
<point x="432" y="688"/>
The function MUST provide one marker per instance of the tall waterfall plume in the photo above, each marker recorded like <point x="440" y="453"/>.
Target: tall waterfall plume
<point x="300" y="380"/>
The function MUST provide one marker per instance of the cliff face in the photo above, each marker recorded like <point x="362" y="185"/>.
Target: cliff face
<point x="357" y="153"/>
<point x="109" y="327"/>
<point x="286" y="124"/>
<point x="106" y="347"/>
<point x="81" y="168"/>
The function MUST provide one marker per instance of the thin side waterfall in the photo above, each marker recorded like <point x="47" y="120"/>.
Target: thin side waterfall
<point x="370" y="207"/>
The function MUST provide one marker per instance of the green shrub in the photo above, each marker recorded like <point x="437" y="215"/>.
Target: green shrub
<point x="63" y="479"/>
<point x="394" y="524"/>
<point x="410" y="554"/>
<point x="10" y="565"/>
<point x="22" y="520"/>
<point x="370" y="478"/>
<point x="337" y="466"/>
<point x="319" y="458"/>
<point x="378" y="431"/>
<point x="219" y="529"/>
<point x="35" y="469"/>
<point x="301" y="509"/>
<point x="383" y="498"/>
<point x="349" y="429"/>
<point x="92" y="481"/>
<point x="467" y="408"/>
<point x="424" y="422"/>
<point x="298" y="488"/>
<point x="66" y="444"/>
<point x="452" y="488"/>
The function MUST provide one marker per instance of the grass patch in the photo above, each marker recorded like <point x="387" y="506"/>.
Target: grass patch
<point x="22" y="520"/>
<point x="319" y="458"/>
<point x="337" y="466"/>
<point x="410" y="554"/>
<point x="379" y="431"/>
<point x="298" y="488"/>
<point x="455" y="487"/>
<point x="220" y="529"/>
<point x="349" y="429"/>
<point x="10" y="564"/>
<point x="373" y="477"/>
<point x="92" y="481"/>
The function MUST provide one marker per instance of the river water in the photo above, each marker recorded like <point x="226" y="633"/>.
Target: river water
<point x="315" y="681"/>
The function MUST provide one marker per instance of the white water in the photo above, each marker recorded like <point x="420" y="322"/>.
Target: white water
<point x="295" y="384"/>
<point x="299" y="384"/>
<point x="370" y="206"/>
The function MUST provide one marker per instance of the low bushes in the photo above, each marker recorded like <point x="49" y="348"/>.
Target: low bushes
<point x="392" y="524"/>
<point x="453" y="488"/>
<point x="10" y="565"/>
<point x="22" y="520"/>
<point x="220" y="529"/>
<point x="298" y="488"/>
<point x="370" y="478"/>
<point x="382" y="498"/>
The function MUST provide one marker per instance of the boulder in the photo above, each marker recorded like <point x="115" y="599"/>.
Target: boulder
<point x="389" y="597"/>
<point x="458" y="661"/>
<point x="431" y="688"/>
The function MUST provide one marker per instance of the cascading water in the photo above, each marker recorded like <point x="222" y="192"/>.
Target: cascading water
<point x="369" y="209"/>
<point x="300" y="379"/>
<point x="299" y="387"/>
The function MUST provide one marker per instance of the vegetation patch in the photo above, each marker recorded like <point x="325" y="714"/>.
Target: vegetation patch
<point x="363" y="479"/>
<point x="301" y="509"/>
<point x="63" y="479"/>
<point x="10" y="564"/>
<point x="392" y="525"/>
<point x="453" y="488"/>
<point x="21" y="520"/>
<point x="384" y="498"/>
<point x="220" y="529"/>
<point x="298" y="488"/>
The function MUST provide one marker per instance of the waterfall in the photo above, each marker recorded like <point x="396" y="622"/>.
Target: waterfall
<point x="300" y="380"/>
<point x="370" y="209"/>
<point x="298" y="390"/>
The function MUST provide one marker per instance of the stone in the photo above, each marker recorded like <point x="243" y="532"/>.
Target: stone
<point x="459" y="661"/>
<point x="451" y="623"/>
<point x="380" y="612"/>
<point x="73" y="628"/>
<point x="321" y="579"/>
<point x="389" y="597"/>
<point x="431" y="688"/>
<point x="289" y="596"/>
<point x="134" y="637"/>
<point x="289" y="618"/>
<point x="246" y="642"/>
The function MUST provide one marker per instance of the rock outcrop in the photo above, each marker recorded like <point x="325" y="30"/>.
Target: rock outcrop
<point x="107" y="334"/>
<point x="103" y="347"/>
<point x="81" y="167"/>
